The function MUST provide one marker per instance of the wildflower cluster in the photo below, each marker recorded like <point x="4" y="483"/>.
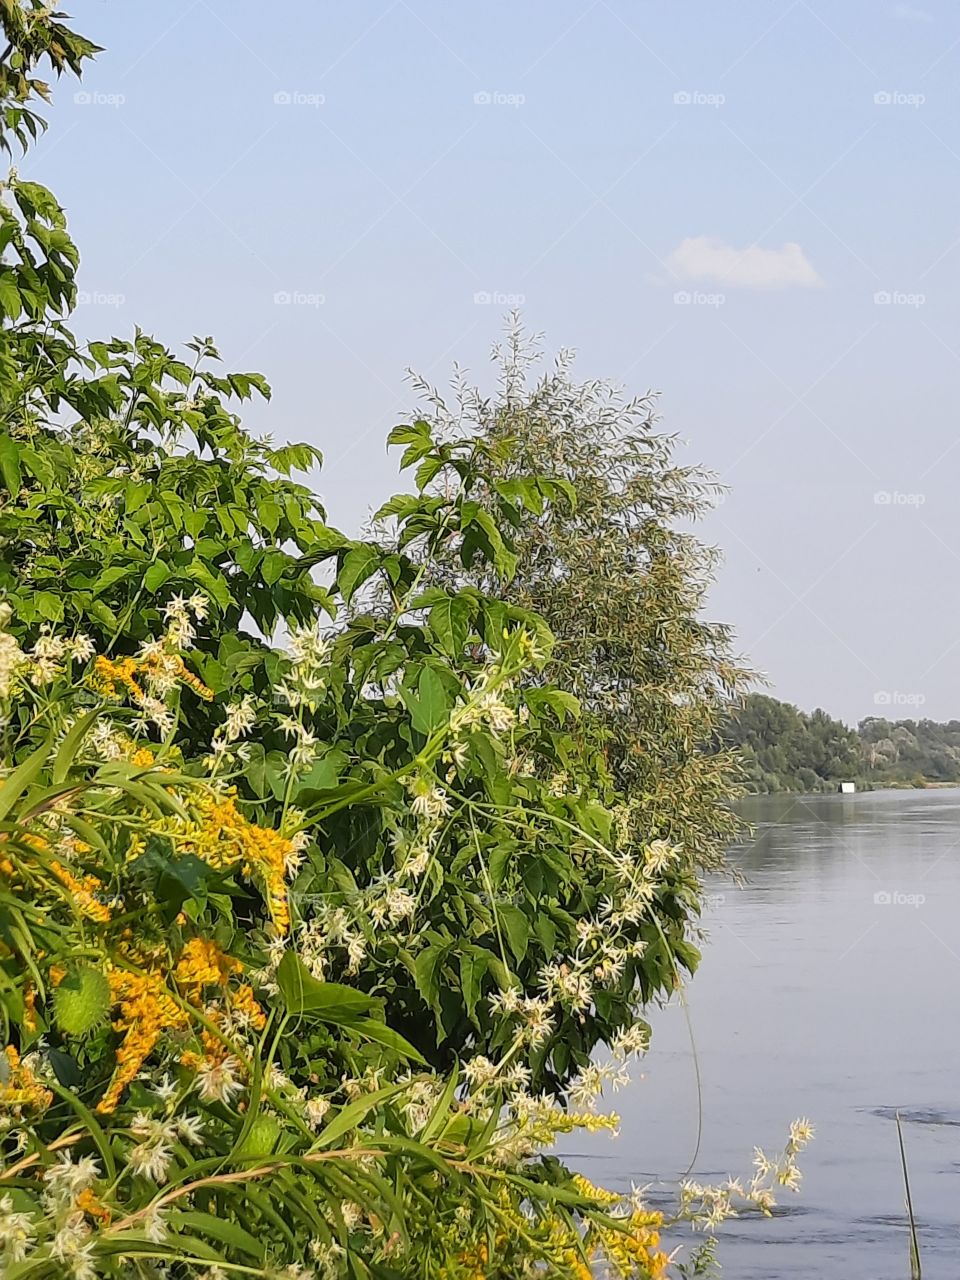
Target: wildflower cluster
<point x="709" y="1205"/>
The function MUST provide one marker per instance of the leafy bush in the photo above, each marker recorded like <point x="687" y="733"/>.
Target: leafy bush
<point x="304" y="946"/>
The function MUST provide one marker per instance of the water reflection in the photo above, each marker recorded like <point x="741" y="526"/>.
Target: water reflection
<point x="829" y="987"/>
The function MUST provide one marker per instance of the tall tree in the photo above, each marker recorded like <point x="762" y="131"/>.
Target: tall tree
<point x="619" y="578"/>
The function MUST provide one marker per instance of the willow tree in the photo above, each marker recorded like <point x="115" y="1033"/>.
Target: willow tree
<point x="620" y="578"/>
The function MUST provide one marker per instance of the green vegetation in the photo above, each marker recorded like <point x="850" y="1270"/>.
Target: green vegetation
<point x="333" y="887"/>
<point x="784" y="749"/>
<point x="618" y="577"/>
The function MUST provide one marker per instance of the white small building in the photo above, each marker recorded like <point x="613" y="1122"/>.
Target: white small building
<point x="847" y="788"/>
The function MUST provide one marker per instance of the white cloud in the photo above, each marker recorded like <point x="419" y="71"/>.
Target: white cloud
<point x="708" y="258"/>
<point x="907" y="13"/>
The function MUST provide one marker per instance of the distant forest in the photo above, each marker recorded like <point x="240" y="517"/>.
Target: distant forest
<point x="785" y="749"/>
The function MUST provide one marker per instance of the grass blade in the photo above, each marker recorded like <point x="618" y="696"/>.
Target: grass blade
<point x="915" y="1273"/>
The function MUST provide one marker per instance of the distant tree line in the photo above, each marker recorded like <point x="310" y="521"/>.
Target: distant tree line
<point x="785" y="749"/>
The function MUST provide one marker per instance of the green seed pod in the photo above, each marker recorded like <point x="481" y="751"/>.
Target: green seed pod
<point x="82" y="1001"/>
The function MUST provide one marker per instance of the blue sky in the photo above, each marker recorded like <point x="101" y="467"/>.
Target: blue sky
<point x="751" y="207"/>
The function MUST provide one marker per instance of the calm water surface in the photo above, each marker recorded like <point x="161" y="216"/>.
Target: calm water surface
<point x="830" y="987"/>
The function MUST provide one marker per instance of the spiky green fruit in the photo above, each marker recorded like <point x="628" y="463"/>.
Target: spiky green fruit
<point x="82" y="1001"/>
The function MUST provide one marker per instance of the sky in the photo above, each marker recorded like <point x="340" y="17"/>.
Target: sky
<point x="750" y="206"/>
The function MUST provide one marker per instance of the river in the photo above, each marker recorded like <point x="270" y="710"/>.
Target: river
<point x="830" y="988"/>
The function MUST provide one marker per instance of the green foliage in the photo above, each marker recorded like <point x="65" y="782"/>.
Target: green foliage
<point x="153" y="491"/>
<point x="610" y="565"/>
<point x="373" y="842"/>
<point x="784" y="749"/>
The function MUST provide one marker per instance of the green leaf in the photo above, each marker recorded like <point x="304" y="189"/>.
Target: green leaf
<point x="156" y="575"/>
<point x="331" y="1002"/>
<point x="222" y="1229"/>
<point x="450" y="623"/>
<point x="430" y="707"/>
<point x="23" y="777"/>
<point x="517" y="928"/>
<point x="369" y="1029"/>
<point x="426" y="976"/>
<point x="473" y="966"/>
<point x="359" y="564"/>
<point x="10" y="464"/>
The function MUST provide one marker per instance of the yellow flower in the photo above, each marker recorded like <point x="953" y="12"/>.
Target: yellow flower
<point x="223" y="837"/>
<point x="22" y="1088"/>
<point x="146" y="1010"/>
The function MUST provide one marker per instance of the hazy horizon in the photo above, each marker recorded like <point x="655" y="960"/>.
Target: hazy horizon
<point x="750" y="208"/>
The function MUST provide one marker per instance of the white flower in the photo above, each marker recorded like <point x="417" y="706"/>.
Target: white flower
<point x="316" y="1110"/>
<point x="217" y="1081"/>
<point x="356" y="953"/>
<point x="190" y="1129"/>
<point x="400" y="904"/>
<point x="17" y="1232"/>
<point x="200" y="605"/>
<point x="240" y="719"/>
<point x="429" y="800"/>
<point x="659" y="855"/>
<point x="69" y="1179"/>
<point x="83" y="648"/>
<point x="304" y="750"/>
<point x="480" y="1071"/>
<point x="175" y="608"/>
<point x="801" y="1132"/>
<point x="157" y="713"/>
<point x="166" y="1089"/>
<point x="152" y="1159"/>
<point x="70" y="1245"/>
<point x="352" y="1214"/>
<point x="12" y="658"/>
<point x="155" y="1225"/>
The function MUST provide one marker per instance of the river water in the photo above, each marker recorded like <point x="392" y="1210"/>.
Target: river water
<point x="830" y="988"/>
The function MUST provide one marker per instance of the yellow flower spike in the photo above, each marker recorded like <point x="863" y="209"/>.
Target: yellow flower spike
<point x="86" y="892"/>
<point x="146" y="1010"/>
<point x="223" y="837"/>
<point x="22" y="1088"/>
